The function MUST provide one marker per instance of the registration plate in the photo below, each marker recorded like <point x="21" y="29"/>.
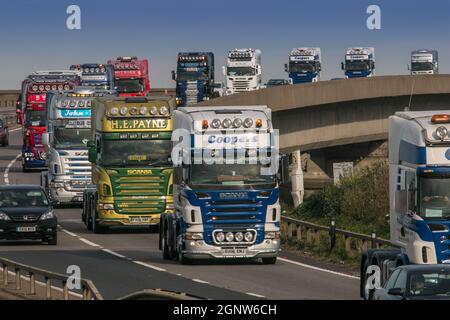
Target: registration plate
<point x="26" y="229"/>
<point x="234" y="252"/>
<point x="139" y="219"/>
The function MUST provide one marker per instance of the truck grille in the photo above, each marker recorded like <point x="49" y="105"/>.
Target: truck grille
<point x="140" y="194"/>
<point x="235" y="212"/>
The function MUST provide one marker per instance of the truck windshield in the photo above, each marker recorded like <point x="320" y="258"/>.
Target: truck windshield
<point x="357" y="65"/>
<point x="421" y="66"/>
<point x="129" y="85"/>
<point x="241" y="71"/>
<point x="136" y="152"/>
<point x="302" y="67"/>
<point x="71" y="138"/>
<point x="434" y="197"/>
<point x="229" y="175"/>
<point x="183" y="75"/>
<point x="35" y="118"/>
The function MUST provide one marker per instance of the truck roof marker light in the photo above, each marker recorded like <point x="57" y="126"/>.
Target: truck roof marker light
<point x="258" y="123"/>
<point x="205" y="124"/>
<point x="215" y="124"/>
<point x="133" y="111"/>
<point x="440" y="118"/>
<point x="143" y="111"/>
<point x="237" y="123"/>
<point x="248" y="122"/>
<point x="441" y="133"/>
<point x="123" y="111"/>
<point x="226" y="123"/>
<point x="164" y="111"/>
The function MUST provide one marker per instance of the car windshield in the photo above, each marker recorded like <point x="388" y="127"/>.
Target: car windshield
<point x="429" y="284"/>
<point x="129" y="86"/>
<point x="35" y="118"/>
<point x="301" y="67"/>
<point x="71" y="138"/>
<point x="434" y="197"/>
<point x="241" y="71"/>
<point x="136" y="152"/>
<point x="184" y="75"/>
<point x="23" y="198"/>
<point x="229" y="174"/>
<point x="357" y="66"/>
<point x="421" y="66"/>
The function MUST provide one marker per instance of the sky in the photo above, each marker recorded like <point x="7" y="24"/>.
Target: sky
<point x="34" y="35"/>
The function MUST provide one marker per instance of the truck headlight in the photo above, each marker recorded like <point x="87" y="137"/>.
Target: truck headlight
<point x="47" y="216"/>
<point x="194" y="236"/>
<point x="239" y="236"/>
<point x="229" y="236"/>
<point x="220" y="237"/>
<point x="4" y="217"/>
<point x="248" y="236"/>
<point x="441" y="132"/>
<point x="272" y="235"/>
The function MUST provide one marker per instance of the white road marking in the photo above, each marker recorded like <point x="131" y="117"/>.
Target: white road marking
<point x="255" y="295"/>
<point x="6" y="173"/>
<point x="318" y="269"/>
<point x="89" y="243"/>
<point x="200" y="281"/>
<point x="16" y="129"/>
<point x="69" y="233"/>
<point x="114" y="253"/>
<point x="149" y="266"/>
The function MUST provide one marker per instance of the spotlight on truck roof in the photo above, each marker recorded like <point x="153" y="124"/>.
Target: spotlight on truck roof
<point x="248" y="122"/>
<point x="441" y="132"/>
<point x="153" y="110"/>
<point x="123" y="111"/>
<point x="163" y="111"/>
<point x="215" y="124"/>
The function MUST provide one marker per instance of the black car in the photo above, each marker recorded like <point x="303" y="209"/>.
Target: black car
<point x="26" y="214"/>
<point x="416" y="282"/>
<point x="277" y="82"/>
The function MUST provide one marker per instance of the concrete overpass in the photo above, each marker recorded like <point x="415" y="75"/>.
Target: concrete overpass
<point x="337" y="112"/>
<point x="342" y="120"/>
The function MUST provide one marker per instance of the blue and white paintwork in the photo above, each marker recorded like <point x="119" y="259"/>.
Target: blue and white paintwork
<point x="359" y="62"/>
<point x="305" y="65"/>
<point x="424" y="61"/>
<point x="416" y="152"/>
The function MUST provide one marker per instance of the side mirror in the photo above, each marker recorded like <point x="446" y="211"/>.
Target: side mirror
<point x="173" y="75"/>
<point x="342" y="66"/>
<point x="401" y="205"/>
<point x="92" y="151"/>
<point x="284" y="169"/>
<point x="45" y="139"/>
<point x="396" y="292"/>
<point x="373" y="64"/>
<point x="286" y="69"/>
<point x="224" y="70"/>
<point x="319" y="66"/>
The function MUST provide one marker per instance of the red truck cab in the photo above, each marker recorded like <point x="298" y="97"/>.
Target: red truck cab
<point x="33" y="112"/>
<point x="131" y="76"/>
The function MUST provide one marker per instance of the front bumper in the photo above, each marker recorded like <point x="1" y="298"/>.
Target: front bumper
<point x="198" y="249"/>
<point x="63" y="196"/>
<point x="44" y="229"/>
<point x="111" y="218"/>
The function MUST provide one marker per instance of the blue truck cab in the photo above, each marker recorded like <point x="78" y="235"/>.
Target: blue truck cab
<point x="359" y="62"/>
<point x="305" y="65"/>
<point x="225" y="187"/>
<point x="95" y="75"/>
<point x="194" y="77"/>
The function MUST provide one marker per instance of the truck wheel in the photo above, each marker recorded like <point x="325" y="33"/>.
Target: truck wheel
<point x="166" y="252"/>
<point x="271" y="260"/>
<point x="367" y="293"/>
<point x="96" y="228"/>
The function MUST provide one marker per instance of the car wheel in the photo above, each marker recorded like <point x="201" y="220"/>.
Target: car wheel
<point x="54" y="240"/>
<point x="271" y="260"/>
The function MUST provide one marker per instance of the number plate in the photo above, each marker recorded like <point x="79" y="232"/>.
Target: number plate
<point x="234" y="252"/>
<point x="139" y="219"/>
<point x="26" y="229"/>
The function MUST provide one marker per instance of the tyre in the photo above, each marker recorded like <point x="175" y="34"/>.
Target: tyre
<point x="53" y="241"/>
<point x="271" y="260"/>
<point x="166" y="252"/>
<point x="367" y="293"/>
<point x="96" y="228"/>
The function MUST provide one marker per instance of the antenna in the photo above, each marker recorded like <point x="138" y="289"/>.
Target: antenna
<point x="408" y="108"/>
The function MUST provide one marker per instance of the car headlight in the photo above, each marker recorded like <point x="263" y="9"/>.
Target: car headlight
<point x="4" y="217"/>
<point x="48" y="215"/>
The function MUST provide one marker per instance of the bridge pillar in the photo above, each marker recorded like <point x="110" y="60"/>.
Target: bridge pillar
<point x="298" y="188"/>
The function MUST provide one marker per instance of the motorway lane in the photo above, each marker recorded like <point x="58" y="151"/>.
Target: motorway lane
<point x="120" y="275"/>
